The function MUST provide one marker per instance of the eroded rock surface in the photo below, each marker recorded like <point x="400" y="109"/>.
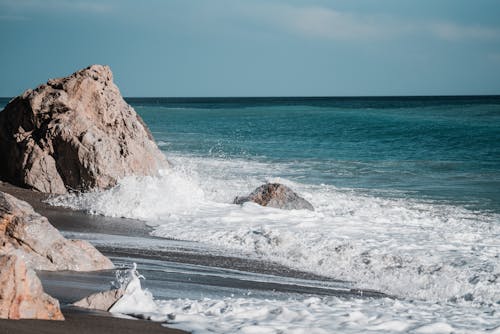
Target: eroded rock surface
<point x="75" y="133"/>
<point x="276" y="195"/>
<point x="30" y="235"/>
<point x="21" y="292"/>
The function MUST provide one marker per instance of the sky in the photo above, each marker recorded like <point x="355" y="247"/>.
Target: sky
<point x="185" y="48"/>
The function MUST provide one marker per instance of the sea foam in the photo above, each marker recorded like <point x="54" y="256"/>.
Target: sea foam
<point x="401" y="246"/>
<point x="302" y="315"/>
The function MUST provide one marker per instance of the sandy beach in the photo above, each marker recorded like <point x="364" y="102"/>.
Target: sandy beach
<point x="79" y="322"/>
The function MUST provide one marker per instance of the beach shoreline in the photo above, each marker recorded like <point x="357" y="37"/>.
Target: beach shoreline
<point x="78" y="321"/>
<point x="79" y="223"/>
<point x="69" y="287"/>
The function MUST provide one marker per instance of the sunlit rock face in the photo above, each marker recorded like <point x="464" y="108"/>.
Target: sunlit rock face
<point x="21" y="292"/>
<point x="25" y="233"/>
<point x="74" y="133"/>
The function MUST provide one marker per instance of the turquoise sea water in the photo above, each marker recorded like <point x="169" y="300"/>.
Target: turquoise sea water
<point x="436" y="148"/>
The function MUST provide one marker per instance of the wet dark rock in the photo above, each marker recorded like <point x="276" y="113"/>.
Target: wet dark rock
<point x="468" y="297"/>
<point x="276" y="195"/>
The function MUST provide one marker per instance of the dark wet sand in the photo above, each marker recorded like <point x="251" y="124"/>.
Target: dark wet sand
<point x="84" y="323"/>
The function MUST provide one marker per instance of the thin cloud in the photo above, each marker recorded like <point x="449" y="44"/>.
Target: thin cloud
<point x="452" y="31"/>
<point x="319" y="22"/>
<point x="326" y="23"/>
<point x="58" y="5"/>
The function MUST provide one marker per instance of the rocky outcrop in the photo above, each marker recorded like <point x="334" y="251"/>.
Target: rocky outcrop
<point x="30" y="235"/>
<point x="21" y="293"/>
<point x="276" y="195"/>
<point x="102" y="301"/>
<point x="75" y="133"/>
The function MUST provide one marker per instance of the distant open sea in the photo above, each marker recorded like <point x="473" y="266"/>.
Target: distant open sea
<point x="406" y="193"/>
<point x="439" y="148"/>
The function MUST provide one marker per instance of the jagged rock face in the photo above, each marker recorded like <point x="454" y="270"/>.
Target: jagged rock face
<point x="76" y="133"/>
<point x="26" y="233"/>
<point x="21" y="293"/>
<point x="276" y="195"/>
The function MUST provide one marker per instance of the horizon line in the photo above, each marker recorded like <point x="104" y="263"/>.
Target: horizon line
<point x="307" y="96"/>
<point x="299" y="96"/>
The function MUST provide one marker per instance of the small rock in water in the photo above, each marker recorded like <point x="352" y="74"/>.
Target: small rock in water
<point x="469" y="297"/>
<point x="101" y="300"/>
<point x="276" y="195"/>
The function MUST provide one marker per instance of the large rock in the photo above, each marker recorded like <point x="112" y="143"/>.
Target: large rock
<point x="21" y="293"/>
<point x="74" y="133"/>
<point x="30" y="235"/>
<point x="276" y="195"/>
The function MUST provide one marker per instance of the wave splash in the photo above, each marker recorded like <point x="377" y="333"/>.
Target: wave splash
<point x="401" y="246"/>
<point x="302" y="315"/>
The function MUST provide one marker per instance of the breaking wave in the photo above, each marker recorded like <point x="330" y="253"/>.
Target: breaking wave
<point x="405" y="247"/>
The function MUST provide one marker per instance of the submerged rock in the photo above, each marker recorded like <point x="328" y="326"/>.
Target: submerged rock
<point x="75" y="133"/>
<point x="21" y="292"/>
<point x="102" y="301"/>
<point x="30" y="235"/>
<point x="276" y="195"/>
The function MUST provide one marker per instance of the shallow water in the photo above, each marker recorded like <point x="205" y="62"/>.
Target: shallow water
<point x="407" y="201"/>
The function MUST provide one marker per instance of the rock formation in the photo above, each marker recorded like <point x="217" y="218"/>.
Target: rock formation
<point x="75" y="133"/>
<point x="276" y="195"/>
<point x="101" y="300"/>
<point x="21" y="293"/>
<point x="30" y="235"/>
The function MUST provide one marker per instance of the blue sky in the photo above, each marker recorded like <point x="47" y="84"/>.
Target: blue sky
<point x="257" y="47"/>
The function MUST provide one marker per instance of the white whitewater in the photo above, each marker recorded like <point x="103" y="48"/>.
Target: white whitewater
<point x="441" y="261"/>
<point x="302" y="315"/>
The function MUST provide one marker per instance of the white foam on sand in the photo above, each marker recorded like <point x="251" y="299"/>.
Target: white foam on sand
<point x="305" y="315"/>
<point x="415" y="250"/>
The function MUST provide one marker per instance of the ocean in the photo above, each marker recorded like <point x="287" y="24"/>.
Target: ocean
<point x="406" y="193"/>
<point x="437" y="148"/>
